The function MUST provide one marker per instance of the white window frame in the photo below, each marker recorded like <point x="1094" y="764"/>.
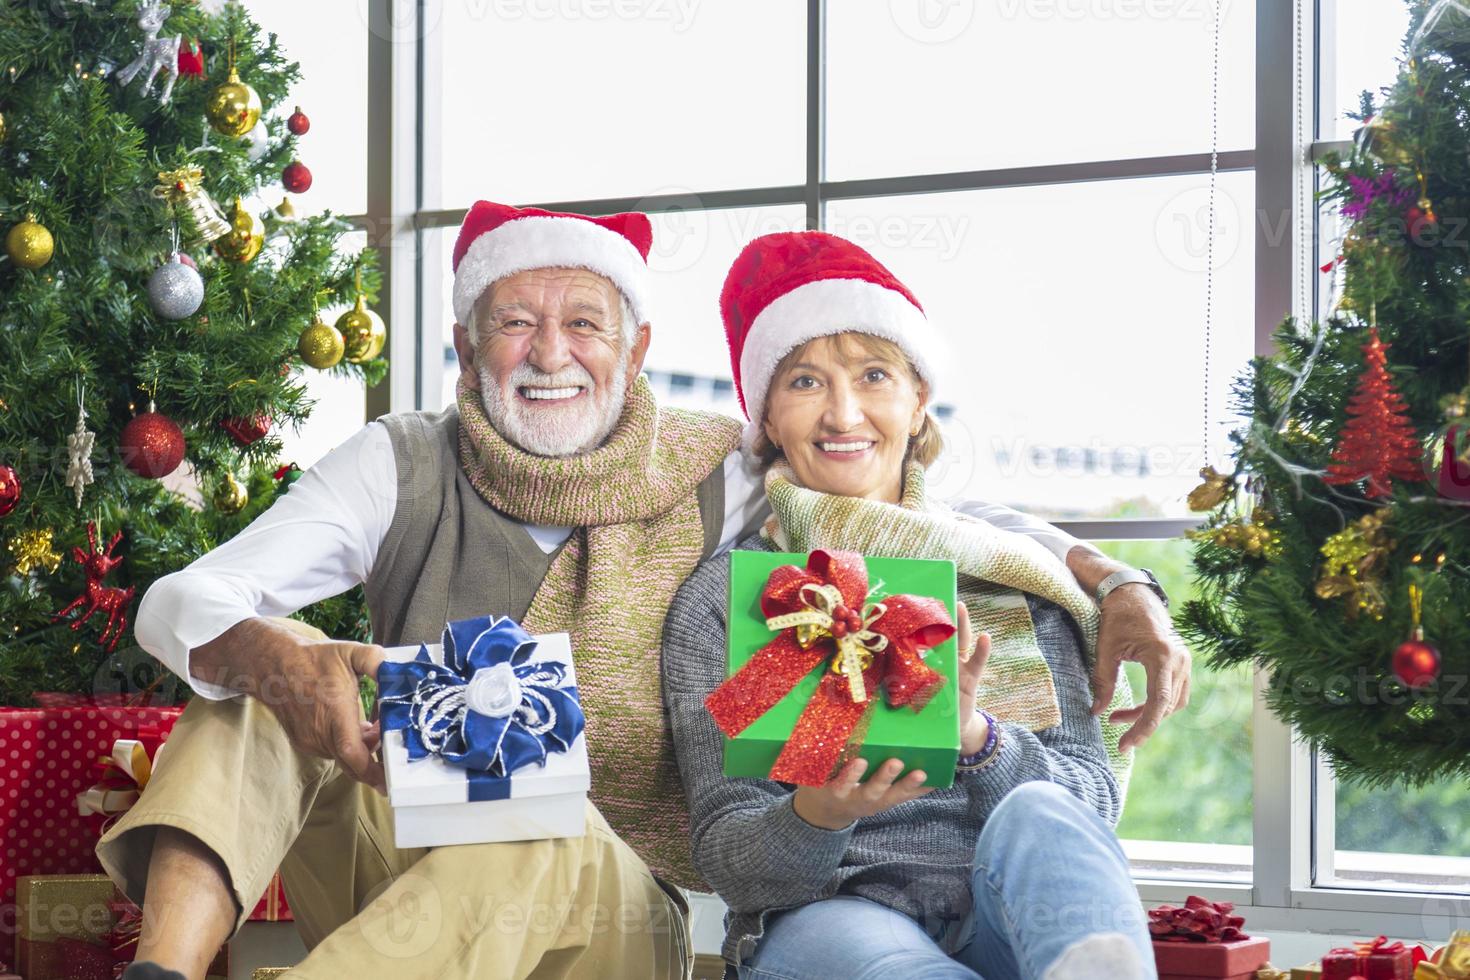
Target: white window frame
<point x="1292" y="792"/>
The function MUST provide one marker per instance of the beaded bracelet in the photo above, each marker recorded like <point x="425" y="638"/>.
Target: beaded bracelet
<point x="988" y="752"/>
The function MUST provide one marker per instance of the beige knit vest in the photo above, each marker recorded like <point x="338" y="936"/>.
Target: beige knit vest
<point x="450" y="555"/>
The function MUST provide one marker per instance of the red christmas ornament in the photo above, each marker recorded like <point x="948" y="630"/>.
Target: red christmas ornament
<point x="247" y="430"/>
<point x="298" y="123"/>
<point x="9" y="490"/>
<point x="98" y="597"/>
<point x="1419" y="220"/>
<point x="1416" y="663"/>
<point x="191" y="58"/>
<point x="1378" y="443"/>
<point x="184" y="258"/>
<point x="296" y="177"/>
<point x="152" y="444"/>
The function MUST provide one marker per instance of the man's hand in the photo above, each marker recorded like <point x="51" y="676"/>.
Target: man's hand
<point x="311" y="686"/>
<point x="1135" y="627"/>
<point x="974" y="729"/>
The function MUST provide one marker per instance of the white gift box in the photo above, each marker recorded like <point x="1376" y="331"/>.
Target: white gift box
<point x="430" y="797"/>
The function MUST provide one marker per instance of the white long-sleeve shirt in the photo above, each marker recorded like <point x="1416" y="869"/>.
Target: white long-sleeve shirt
<point x="322" y="538"/>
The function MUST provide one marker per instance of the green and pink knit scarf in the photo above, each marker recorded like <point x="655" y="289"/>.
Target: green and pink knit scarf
<point x="638" y="535"/>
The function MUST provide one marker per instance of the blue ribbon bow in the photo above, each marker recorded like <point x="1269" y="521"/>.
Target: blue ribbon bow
<point x="487" y="709"/>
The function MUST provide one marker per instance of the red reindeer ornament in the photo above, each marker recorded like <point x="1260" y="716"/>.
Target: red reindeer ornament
<point x="98" y="597"/>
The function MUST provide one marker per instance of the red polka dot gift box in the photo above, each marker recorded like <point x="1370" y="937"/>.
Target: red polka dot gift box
<point x="48" y="757"/>
<point x="57" y="761"/>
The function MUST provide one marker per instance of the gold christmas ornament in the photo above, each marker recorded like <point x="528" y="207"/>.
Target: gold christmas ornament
<point x="1211" y="493"/>
<point x="1382" y="138"/>
<point x="1251" y="536"/>
<point x="3" y="131"/>
<point x="230" y="497"/>
<point x="363" y="332"/>
<point x="31" y="550"/>
<point x="321" y="345"/>
<point x="184" y="190"/>
<point x="233" y="109"/>
<point x="1353" y="567"/>
<point x="246" y="236"/>
<point x="284" y="211"/>
<point x="29" y="244"/>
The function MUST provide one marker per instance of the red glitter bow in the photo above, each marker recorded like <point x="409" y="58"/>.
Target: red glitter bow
<point x="873" y="647"/>
<point x="1198" y="921"/>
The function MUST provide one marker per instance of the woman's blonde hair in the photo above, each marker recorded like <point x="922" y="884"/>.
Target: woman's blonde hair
<point x="924" y="448"/>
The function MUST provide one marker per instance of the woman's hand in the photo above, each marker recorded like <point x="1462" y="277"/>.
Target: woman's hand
<point x="974" y="729"/>
<point x="844" y="799"/>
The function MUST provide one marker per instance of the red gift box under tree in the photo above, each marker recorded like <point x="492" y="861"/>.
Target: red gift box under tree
<point x="1203" y="939"/>
<point x="49" y="756"/>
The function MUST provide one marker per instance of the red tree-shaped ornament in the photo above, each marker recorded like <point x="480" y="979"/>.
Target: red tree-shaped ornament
<point x="1378" y="443"/>
<point x="98" y="597"/>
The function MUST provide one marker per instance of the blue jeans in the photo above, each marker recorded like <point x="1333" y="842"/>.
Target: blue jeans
<point x="1047" y="872"/>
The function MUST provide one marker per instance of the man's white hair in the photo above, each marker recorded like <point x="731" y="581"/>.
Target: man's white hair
<point x="627" y="323"/>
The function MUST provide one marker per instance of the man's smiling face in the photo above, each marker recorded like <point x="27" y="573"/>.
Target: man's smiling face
<point x="553" y="358"/>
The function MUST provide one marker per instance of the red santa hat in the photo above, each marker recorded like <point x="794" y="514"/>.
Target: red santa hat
<point x="497" y="240"/>
<point x="788" y="288"/>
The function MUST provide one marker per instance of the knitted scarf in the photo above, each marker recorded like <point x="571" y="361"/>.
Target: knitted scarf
<point x="638" y="535"/>
<point x="1017" y="684"/>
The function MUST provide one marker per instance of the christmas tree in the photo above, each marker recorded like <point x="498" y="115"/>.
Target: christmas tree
<point x="155" y="333"/>
<point x="1349" y="475"/>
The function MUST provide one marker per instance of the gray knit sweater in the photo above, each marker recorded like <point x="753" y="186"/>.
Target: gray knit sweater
<point x="754" y="850"/>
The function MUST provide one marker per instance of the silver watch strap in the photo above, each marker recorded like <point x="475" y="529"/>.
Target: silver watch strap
<point x="1127" y="576"/>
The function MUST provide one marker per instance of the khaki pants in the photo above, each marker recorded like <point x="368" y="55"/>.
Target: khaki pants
<point x="573" y="908"/>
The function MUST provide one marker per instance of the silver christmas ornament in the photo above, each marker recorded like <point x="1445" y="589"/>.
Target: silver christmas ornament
<point x="160" y="54"/>
<point x="79" y="452"/>
<point x="259" y="141"/>
<point x="175" y="290"/>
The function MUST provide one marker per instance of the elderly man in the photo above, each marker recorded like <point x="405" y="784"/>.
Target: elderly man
<point x="555" y="492"/>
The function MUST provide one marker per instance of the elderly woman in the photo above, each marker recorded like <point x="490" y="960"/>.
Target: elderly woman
<point x="1014" y="871"/>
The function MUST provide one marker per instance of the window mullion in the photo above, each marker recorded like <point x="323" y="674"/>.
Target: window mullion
<point x="816" y="111"/>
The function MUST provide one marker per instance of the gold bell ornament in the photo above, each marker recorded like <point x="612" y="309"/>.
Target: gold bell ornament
<point x="184" y="189"/>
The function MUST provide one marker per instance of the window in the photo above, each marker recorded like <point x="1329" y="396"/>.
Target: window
<point x="554" y="101"/>
<point x="1076" y="394"/>
<point x="1038" y="171"/>
<point x="334" y="149"/>
<point x="916" y="87"/>
<point x="1189" y="813"/>
<point x="1362" y="45"/>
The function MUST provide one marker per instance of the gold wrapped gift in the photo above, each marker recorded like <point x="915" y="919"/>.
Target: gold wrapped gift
<point x="50" y="908"/>
<point x="1312" y="971"/>
<point x="55" y="910"/>
<point x="1269" y="972"/>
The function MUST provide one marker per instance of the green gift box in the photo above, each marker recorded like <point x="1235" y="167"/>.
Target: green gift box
<point x="928" y="739"/>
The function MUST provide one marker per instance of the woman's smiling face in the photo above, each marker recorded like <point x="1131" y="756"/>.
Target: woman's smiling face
<point x="842" y="409"/>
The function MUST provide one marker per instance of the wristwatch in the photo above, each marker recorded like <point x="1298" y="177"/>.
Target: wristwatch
<point x="1129" y="576"/>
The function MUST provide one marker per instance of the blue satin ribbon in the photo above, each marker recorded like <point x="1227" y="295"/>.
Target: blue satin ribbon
<point x="428" y="703"/>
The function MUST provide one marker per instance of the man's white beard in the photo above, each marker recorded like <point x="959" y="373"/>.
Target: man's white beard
<point x="552" y="429"/>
